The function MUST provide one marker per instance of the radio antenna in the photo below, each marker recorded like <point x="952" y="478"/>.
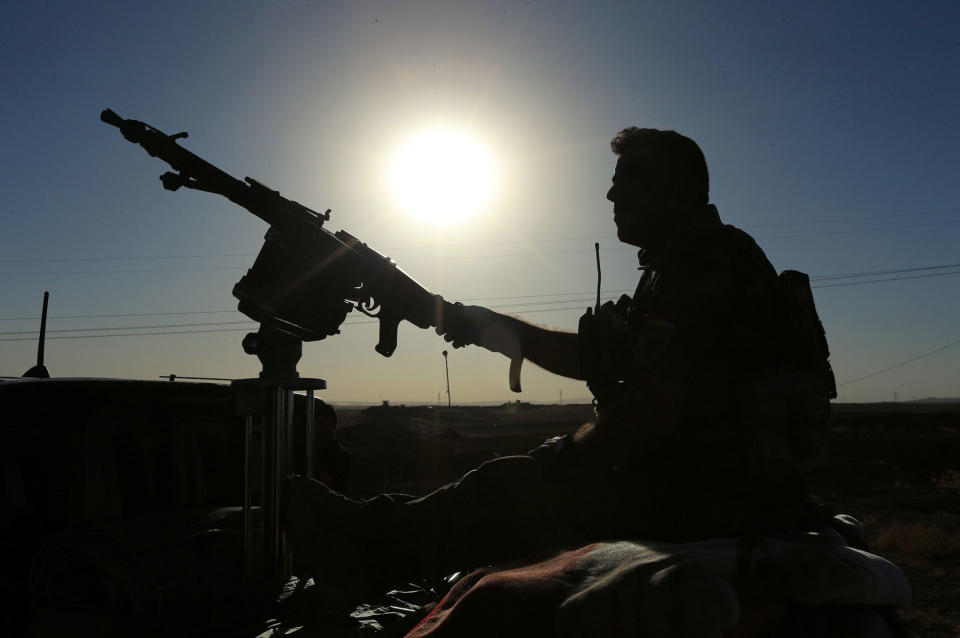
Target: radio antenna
<point x="596" y="248"/>
<point x="39" y="371"/>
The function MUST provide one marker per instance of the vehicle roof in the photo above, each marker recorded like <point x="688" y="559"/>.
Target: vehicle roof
<point x="95" y="396"/>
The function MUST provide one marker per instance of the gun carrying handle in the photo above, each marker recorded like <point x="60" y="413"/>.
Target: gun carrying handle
<point x="515" y="362"/>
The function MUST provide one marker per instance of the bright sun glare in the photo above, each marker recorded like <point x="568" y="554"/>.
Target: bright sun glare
<point x="443" y="177"/>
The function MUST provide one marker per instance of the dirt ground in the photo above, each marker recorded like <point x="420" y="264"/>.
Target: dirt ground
<point x="895" y="467"/>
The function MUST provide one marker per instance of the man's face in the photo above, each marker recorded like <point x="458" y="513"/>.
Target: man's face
<point x="325" y="430"/>
<point x="639" y="210"/>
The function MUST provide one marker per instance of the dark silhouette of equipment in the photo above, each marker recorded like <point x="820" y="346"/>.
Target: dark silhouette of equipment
<point x="302" y="285"/>
<point x="305" y="279"/>
<point x="40" y="371"/>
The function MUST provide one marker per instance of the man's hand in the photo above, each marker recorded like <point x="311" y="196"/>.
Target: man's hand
<point x="476" y="325"/>
<point x="552" y="350"/>
<point x="467" y="325"/>
<point x="460" y="325"/>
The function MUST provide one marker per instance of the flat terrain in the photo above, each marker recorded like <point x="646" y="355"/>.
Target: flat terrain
<point x="894" y="466"/>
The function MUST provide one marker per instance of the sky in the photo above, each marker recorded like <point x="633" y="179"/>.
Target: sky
<point x="830" y="131"/>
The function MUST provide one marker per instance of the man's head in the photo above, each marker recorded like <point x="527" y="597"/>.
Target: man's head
<point x="326" y="422"/>
<point x="661" y="177"/>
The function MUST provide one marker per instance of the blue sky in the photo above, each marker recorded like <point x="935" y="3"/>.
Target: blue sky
<point x="830" y="131"/>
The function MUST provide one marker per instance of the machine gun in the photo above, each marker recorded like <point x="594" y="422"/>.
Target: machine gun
<point x="305" y="279"/>
<point x="302" y="285"/>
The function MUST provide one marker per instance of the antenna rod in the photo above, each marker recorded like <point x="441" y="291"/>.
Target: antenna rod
<point x="447" y="366"/>
<point x="43" y="329"/>
<point x="596" y="248"/>
<point x="40" y="371"/>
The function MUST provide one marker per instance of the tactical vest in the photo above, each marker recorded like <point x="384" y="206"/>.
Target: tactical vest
<point x="782" y="397"/>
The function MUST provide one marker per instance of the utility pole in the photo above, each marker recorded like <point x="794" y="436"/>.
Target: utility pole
<point x="446" y="364"/>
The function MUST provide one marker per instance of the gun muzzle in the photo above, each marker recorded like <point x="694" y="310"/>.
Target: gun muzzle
<point x="111" y="118"/>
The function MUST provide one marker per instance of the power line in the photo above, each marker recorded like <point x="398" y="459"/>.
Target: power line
<point x="555" y="294"/>
<point x="117" y="271"/>
<point x="184" y="332"/>
<point x="130" y="334"/>
<point x="158" y="326"/>
<point x="842" y="220"/>
<point x="129" y="314"/>
<point x="857" y="231"/>
<point x="201" y="312"/>
<point x="877" y="281"/>
<point x="440" y="258"/>
<point x="231" y="323"/>
<point x="513" y="242"/>
<point x="551" y="294"/>
<point x="372" y="321"/>
<point x="218" y="255"/>
<point x="122" y="271"/>
<point x="226" y="330"/>
<point x="135" y="258"/>
<point x="901" y="364"/>
<point x="881" y="272"/>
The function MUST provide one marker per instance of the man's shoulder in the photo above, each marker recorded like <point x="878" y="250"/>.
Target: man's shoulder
<point x="712" y="247"/>
<point x="713" y="237"/>
<point x="719" y="260"/>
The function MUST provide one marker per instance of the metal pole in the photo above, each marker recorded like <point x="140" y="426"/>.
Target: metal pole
<point x="311" y="419"/>
<point x="247" y="495"/>
<point x="446" y="364"/>
<point x="288" y="464"/>
<point x="286" y="558"/>
<point x="272" y="396"/>
<point x="276" y="430"/>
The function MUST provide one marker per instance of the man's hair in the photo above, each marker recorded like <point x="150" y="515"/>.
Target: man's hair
<point x="667" y="152"/>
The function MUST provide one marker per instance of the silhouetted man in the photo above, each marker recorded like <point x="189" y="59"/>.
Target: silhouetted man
<point x="331" y="461"/>
<point x="699" y="420"/>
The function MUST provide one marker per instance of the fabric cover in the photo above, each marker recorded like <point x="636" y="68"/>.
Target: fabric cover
<point x="657" y="589"/>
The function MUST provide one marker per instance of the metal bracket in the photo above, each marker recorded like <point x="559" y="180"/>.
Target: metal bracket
<point x="268" y="401"/>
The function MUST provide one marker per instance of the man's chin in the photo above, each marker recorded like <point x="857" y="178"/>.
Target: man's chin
<point x="627" y="237"/>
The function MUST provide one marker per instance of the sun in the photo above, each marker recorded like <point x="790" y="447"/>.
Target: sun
<point x="442" y="176"/>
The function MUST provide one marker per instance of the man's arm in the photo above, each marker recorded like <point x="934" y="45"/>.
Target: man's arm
<point x="553" y="350"/>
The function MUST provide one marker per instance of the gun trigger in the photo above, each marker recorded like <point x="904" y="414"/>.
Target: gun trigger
<point x="515" y="364"/>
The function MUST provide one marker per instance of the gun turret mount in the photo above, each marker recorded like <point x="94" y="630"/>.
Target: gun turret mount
<point x="278" y="352"/>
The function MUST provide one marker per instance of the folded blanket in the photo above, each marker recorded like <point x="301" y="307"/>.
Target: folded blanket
<point x="660" y="589"/>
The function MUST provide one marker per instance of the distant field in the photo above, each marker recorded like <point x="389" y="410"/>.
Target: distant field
<point x="894" y="466"/>
<point x="939" y="406"/>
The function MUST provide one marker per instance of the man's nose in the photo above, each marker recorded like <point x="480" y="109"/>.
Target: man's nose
<point x="610" y="193"/>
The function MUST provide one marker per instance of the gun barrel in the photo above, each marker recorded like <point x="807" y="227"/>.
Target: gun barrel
<point x="111" y="118"/>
